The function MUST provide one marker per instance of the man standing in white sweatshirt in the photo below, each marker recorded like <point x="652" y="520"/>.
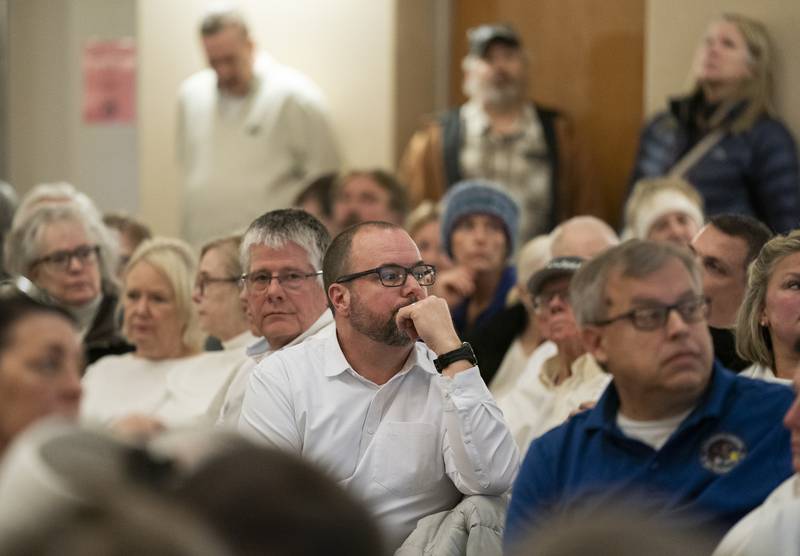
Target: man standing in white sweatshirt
<point x="251" y="132"/>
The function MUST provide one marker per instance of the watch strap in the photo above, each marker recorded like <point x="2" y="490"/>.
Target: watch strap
<point x="463" y="353"/>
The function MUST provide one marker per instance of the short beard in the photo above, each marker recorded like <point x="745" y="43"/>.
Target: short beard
<point x="502" y="98"/>
<point x="498" y="97"/>
<point x="367" y="323"/>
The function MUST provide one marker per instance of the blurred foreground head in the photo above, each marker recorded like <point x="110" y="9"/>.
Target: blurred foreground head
<point x="616" y="531"/>
<point x="186" y="492"/>
<point x="261" y="501"/>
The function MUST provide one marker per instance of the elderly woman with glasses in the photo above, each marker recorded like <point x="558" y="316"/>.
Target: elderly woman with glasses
<point x="217" y="295"/>
<point x="167" y="381"/>
<point x="68" y="255"/>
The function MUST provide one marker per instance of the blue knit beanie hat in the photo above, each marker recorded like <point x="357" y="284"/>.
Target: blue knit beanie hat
<point x="479" y="197"/>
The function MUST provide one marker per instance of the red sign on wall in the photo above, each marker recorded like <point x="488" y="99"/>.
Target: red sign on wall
<point x="109" y="81"/>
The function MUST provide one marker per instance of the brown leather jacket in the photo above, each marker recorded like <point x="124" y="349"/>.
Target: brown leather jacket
<point x="430" y="164"/>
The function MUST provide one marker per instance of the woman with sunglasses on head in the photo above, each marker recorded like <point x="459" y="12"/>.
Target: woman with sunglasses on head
<point x="167" y="381"/>
<point x="68" y="255"/>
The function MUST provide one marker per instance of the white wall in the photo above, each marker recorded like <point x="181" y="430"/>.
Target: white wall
<point x="47" y="139"/>
<point x="345" y="46"/>
<point x="378" y="61"/>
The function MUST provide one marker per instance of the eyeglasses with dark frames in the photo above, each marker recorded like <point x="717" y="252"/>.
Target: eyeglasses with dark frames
<point x="543" y="301"/>
<point x="60" y="260"/>
<point x="260" y="281"/>
<point x="202" y="282"/>
<point x="394" y="275"/>
<point x="654" y="317"/>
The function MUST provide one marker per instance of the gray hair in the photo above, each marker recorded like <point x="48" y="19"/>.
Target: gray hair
<point x="174" y="259"/>
<point x="23" y="245"/>
<point x="54" y="193"/>
<point x="633" y="259"/>
<point x="276" y="228"/>
<point x="753" y="341"/>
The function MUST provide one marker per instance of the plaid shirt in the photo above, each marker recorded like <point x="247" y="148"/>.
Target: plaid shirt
<point x="516" y="161"/>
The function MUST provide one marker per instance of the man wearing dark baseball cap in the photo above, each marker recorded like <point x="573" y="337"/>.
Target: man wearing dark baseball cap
<point x="482" y="37"/>
<point x="497" y="135"/>
<point x="560" y="267"/>
<point x="560" y="377"/>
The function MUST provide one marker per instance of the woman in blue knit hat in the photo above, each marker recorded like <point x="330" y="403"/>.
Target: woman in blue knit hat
<point x="479" y="233"/>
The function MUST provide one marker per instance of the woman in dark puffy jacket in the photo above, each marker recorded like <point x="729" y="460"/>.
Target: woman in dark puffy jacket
<point x="724" y="138"/>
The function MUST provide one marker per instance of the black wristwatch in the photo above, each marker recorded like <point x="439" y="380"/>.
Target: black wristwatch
<point x="463" y="353"/>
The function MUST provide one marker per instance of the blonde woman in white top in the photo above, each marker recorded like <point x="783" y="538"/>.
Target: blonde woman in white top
<point x="166" y="381"/>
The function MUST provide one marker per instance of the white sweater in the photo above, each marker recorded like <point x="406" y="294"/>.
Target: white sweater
<point x="244" y="157"/>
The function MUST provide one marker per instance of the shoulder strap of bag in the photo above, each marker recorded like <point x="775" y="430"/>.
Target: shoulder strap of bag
<point x="682" y="167"/>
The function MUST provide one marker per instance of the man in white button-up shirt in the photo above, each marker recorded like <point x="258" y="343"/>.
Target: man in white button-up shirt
<point x="368" y="406"/>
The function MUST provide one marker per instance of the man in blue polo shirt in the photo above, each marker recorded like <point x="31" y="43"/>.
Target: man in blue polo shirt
<point x="675" y="432"/>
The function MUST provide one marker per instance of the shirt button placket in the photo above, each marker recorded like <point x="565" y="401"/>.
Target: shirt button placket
<point x="373" y="414"/>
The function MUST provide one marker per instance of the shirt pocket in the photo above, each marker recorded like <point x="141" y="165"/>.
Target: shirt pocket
<point x="409" y="457"/>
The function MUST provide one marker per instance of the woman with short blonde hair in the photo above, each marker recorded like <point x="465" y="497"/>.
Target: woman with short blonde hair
<point x="167" y="381"/>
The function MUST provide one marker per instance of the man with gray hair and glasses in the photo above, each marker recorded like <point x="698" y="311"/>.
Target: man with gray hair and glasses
<point x="675" y="433"/>
<point x="408" y="426"/>
<point x="281" y="254"/>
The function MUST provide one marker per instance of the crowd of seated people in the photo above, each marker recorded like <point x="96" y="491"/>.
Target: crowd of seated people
<point x="474" y="374"/>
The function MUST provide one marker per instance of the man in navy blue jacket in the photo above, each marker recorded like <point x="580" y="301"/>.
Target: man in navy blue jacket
<point x="674" y="433"/>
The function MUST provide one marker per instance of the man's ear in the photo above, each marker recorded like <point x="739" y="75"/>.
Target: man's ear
<point x="339" y="296"/>
<point x="592" y="337"/>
